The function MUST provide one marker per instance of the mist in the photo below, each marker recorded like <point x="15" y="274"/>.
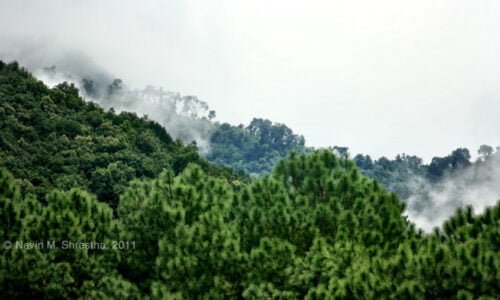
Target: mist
<point x="185" y="117"/>
<point x="430" y="204"/>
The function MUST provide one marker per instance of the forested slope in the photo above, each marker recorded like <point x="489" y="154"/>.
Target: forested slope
<point x="251" y="149"/>
<point x="254" y="149"/>
<point x="52" y="138"/>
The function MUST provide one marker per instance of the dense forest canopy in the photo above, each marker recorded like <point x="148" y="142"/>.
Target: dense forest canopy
<point x="254" y="149"/>
<point x="52" y="138"/>
<point x="95" y="204"/>
<point x="313" y="229"/>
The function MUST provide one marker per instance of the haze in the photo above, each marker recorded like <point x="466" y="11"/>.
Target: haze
<point x="382" y="77"/>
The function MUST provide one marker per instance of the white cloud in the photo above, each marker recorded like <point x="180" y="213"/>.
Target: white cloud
<point x="431" y="204"/>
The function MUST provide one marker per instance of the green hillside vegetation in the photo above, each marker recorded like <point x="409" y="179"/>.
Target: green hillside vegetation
<point x="52" y="138"/>
<point x="253" y="149"/>
<point x="396" y="174"/>
<point x="313" y="228"/>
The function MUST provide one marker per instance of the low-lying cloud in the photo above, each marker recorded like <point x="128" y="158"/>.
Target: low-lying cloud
<point x="185" y="117"/>
<point x="431" y="204"/>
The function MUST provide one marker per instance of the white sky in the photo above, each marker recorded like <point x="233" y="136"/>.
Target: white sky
<point x="382" y="77"/>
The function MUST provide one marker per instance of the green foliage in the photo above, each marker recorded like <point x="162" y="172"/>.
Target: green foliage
<point x="405" y="173"/>
<point x="314" y="228"/>
<point x="33" y="268"/>
<point x="183" y="230"/>
<point x="254" y="149"/>
<point x="52" y="138"/>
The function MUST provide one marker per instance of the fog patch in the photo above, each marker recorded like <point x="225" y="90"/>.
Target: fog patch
<point x="185" y="117"/>
<point x="430" y="204"/>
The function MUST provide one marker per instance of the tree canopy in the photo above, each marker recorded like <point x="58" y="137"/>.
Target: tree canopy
<point x="314" y="228"/>
<point x="253" y="149"/>
<point x="52" y="138"/>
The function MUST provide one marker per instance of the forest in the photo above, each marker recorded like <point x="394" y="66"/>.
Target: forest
<point x="257" y="216"/>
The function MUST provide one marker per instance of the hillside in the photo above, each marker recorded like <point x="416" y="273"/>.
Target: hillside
<point x="102" y="205"/>
<point x="52" y="138"/>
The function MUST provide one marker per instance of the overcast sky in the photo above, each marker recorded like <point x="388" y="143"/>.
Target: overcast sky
<point x="382" y="77"/>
